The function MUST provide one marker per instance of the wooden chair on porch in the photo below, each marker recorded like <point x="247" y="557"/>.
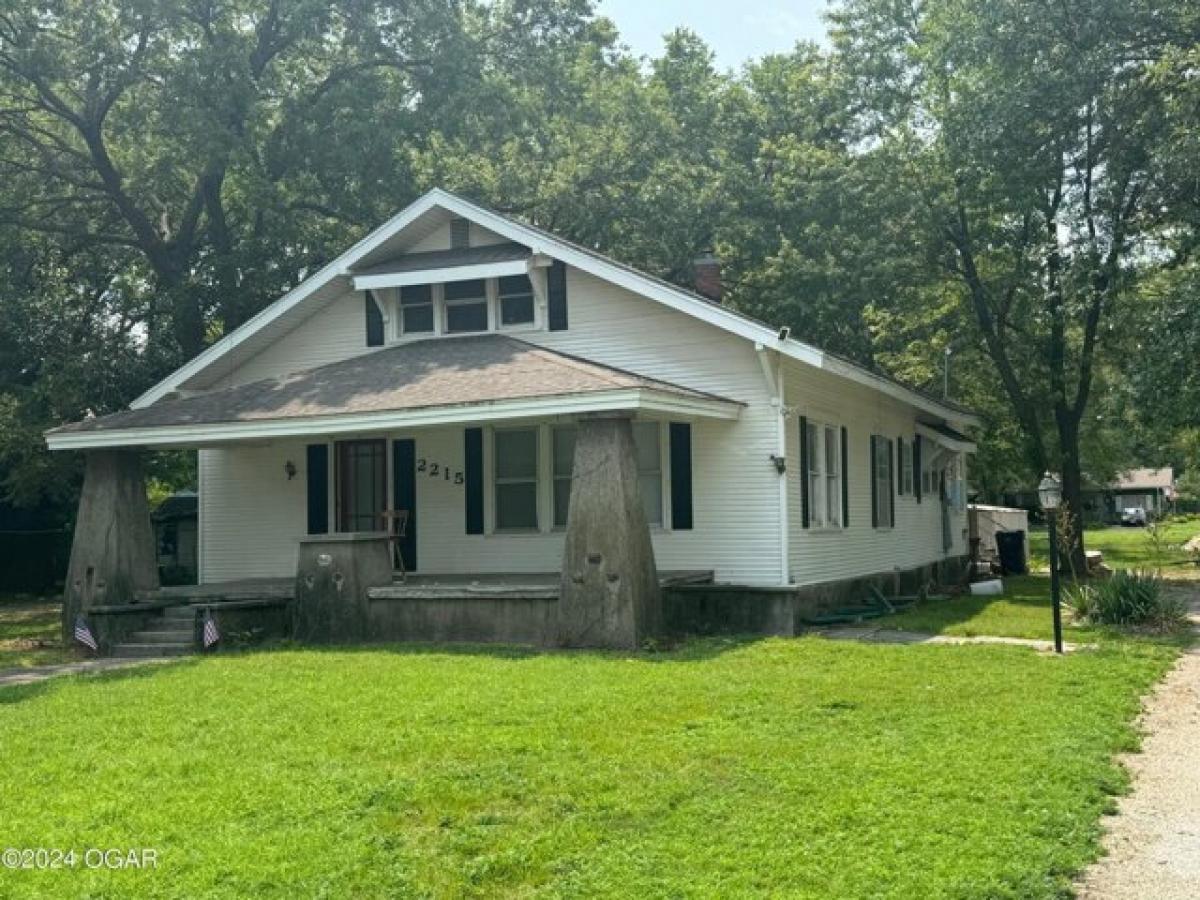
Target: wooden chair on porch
<point x="395" y="523"/>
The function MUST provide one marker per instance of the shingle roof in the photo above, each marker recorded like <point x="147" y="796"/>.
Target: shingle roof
<point x="448" y="259"/>
<point x="422" y="374"/>
<point x="1145" y="478"/>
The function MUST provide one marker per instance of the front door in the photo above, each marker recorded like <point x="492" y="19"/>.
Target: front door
<point x="404" y="498"/>
<point x="361" y="468"/>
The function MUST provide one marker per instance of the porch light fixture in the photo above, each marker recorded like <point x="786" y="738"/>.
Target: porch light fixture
<point x="1050" y="496"/>
<point x="780" y="463"/>
<point x="1050" y="491"/>
<point x="290" y="468"/>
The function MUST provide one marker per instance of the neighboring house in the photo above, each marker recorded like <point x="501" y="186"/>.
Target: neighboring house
<point x="176" y="533"/>
<point x="445" y="366"/>
<point x="1151" y="489"/>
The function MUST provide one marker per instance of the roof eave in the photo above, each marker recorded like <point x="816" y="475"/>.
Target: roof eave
<point x="625" y="400"/>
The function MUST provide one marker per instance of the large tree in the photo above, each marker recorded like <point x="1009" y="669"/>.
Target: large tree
<point x="1025" y="133"/>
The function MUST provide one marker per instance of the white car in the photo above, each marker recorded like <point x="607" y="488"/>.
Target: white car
<point x="1133" y="515"/>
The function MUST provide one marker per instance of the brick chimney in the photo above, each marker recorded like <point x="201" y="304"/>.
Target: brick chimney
<point x="706" y="270"/>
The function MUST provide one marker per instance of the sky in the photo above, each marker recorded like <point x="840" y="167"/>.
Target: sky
<point x="735" y="29"/>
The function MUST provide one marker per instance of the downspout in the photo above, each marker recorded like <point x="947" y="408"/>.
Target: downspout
<point x="773" y="375"/>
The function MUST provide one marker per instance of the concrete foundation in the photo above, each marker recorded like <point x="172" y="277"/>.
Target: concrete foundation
<point x="113" y="553"/>
<point x="609" y="595"/>
<point x="739" y="609"/>
<point x="333" y="575"/>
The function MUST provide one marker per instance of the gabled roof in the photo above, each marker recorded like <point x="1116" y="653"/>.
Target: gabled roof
<point x="1145" y="478"/>
<point x="454" y="379"/>
<point x="540" y="242"/>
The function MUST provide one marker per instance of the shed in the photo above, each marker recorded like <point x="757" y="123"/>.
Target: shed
<point x="985" y="521"/>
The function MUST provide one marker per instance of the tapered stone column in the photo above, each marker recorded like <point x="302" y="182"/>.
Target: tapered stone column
<point x="609" y="593"/>
<point x="112" y="554"/>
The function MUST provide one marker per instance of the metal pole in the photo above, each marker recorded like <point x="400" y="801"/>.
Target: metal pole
<point x="1054" y="585"/>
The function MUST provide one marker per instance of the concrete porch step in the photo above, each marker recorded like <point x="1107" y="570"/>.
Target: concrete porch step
<point x="132" y="649"/>
<point x="162" y="636"/>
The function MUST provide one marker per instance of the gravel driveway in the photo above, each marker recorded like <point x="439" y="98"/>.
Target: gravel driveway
<point x="1153" y="844"/>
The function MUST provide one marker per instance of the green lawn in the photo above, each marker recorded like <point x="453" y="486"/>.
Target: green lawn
<point x="802" y="767"/>
<point x="29" y="633"/>
<point x="1130" y="548"/>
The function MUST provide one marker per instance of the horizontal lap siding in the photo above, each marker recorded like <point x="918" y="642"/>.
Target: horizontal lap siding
<point x="736" y="492"/>
<point x="335" y="332"/>
<point x="254" y="521"/>
<point x="251" y="514"/>
<point x="818" y="555"/>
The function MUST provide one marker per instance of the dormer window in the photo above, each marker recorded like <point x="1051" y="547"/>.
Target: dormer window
<point x="516" y="301"/>
<point x="466" y="306"/>
<point x="416" y="309"/>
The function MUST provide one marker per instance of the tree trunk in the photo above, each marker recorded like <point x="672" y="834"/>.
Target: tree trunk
<point x="1072" y="482"/>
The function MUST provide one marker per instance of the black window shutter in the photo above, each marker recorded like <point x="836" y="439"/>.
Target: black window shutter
<point x="374" y="321"/>
<point x="473" y="466"/>
<point x="891" y="486"/>
<point x="917" y="467"/>
<point x="804" y="499"/>
<point x="899" y="465"/>
<point x="556" y="296"/>
<point x="874" y="483"/>
<point x="317" y="474"/>
<point x="845" y="480"/>
<point x="681" y="476"/>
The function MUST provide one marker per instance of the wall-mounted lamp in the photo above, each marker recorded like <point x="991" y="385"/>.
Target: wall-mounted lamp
<point x="290" y="468"/>
<point x="780" y="463"/>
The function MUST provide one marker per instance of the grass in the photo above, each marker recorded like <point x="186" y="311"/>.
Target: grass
<point x="30" y="633"/>
<point x="798" y="767"/>
<point x="1129" y="548"/>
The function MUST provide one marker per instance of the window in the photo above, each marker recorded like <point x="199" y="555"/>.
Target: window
<point x="647" y="448"/>
<point x="881" y="449"/>
<point x="466" y="306"/>
<point x="816" y="484"/>
<point x="906" y="468"/>
<point x="824" y="475"/>
<point x="564" y="461"/>
<point x="416" y="308"/>
<point x="833" y="477"/>
<point x="361" y="485"/>
<point x="516" y="301"/>
<point x="516" y="466"/>
<point x="649" y="466"/>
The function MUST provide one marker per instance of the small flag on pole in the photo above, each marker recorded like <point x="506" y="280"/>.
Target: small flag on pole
<point x="83" y="634"/>
<point x="211" y="635"/>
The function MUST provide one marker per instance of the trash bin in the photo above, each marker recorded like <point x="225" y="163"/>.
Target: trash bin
<point x="1010" y="546"/>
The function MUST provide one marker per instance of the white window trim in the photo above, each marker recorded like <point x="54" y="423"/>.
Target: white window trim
<point x="397" y="334"/>
<point x="545" y="480"/>
<point x="889" y="492"/>
<point x="821" y="503"/>
<point x="491" y="482"/>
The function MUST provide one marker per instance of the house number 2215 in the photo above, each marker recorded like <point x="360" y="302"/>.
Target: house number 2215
<point x="437" y="470"/>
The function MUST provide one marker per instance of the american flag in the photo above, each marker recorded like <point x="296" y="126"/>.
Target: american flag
<point x="211" y="635"/>
<point x="83" y="634"/>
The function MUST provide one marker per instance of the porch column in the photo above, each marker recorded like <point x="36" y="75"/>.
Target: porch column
<point x="112" y="554"/>
<point x="609" y="593"/>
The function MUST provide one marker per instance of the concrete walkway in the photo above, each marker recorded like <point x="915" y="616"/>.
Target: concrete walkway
<point x="34" y="674"/>
<point x="878" y="634"/>
<point x="1153" y="843"/>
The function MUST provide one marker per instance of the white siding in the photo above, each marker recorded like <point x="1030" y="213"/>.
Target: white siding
<point x="252" y="516"/>
<point x="819" y="555"/>
<point x="335" y="332"/>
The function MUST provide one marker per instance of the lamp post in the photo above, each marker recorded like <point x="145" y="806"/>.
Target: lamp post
<point x="1050" y="496"/>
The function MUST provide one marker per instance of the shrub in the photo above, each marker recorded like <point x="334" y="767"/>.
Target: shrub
<point x="1127" y="598"/>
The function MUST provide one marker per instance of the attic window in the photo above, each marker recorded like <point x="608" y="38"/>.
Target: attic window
<point x="466" y="306"/>
<point x="460" y="234"/>
<point x="516" y="300"/>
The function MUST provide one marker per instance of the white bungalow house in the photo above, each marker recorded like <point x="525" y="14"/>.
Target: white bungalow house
<point x="439" y="373"/>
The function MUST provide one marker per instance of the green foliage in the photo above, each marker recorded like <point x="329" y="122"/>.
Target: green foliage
<point x="1128" y="597"/>
<point x="724" y="768"/>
